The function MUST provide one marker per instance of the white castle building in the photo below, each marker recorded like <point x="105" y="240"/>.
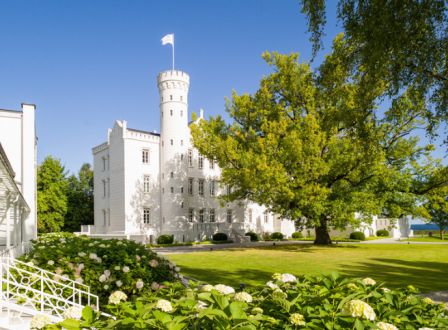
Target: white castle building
<point x="147" y="184"/>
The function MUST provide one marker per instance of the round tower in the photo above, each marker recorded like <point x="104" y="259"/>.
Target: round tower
<point x="174" y="140"/>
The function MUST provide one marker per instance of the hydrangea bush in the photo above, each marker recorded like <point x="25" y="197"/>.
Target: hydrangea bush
<point x="285" y="302"/>
<point x="105" y="265"/>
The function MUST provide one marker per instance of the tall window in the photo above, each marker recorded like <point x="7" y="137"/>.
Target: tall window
<point x="229" y="216"/>
<point x="212" y="164"/>
<point x="171" y="112"/>
<point x="212" y="187"/>
<point x="190" y="214"/>
<point x="181" y="111"/>
<point x="190" y="186"/>
<point x="181" y="142"/>
<point x="146" y="183"/>
<point x="250" y="215"/>
<point x="171" y="142"/>
<point x="172" y="190"/>
<point x="145" y="156"/>
<point x="104" y="163"/>
<point x="104" y="188"/>
<point x="146" y="215"/>
<point x="108" y="187"/>
<point x="266" y="217"/>
<point x="211" y="214"/>
<point x="171" y="175"/>
<point x="190" y="157"/>
<point x="181" y="190"/>
<point x="201" y="162"/>
<point x="104" y="218"/>
<point x="201" y="187"/>
<point x="201" y="215"/>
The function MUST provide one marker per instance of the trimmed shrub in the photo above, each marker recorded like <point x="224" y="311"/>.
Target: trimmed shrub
<point x="277" y="235"/>
<point x="266" y="237"/>
<point x="297" y="234"/>
<point x="220" y="237"/>
<point x="165" y="239"/>
<point x="253" y="236"/>
<point x="358" y="236"/>
<point x="382" y="233"/>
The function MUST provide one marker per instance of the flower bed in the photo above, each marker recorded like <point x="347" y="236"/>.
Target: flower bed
<point x="104" y="265"/>
<point x="286" y="302"/>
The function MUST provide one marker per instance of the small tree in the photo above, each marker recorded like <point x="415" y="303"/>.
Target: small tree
<point x="51" y="195"/>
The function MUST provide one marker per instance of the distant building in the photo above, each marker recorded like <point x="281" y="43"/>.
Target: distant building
<point x="147" y="184"/>
<point x="17" y="176"/>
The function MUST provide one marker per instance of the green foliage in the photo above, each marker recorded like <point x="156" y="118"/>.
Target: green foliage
<point x="358" y="235"/>
<point x="297" y="234"/>
<point x="382" y="233"/>
<point x="220" y="237"/>
<point x="104" y="265"/>
<point x="403" y="43"/>
<point x="51" y="195"/>
<point x="79" y="200"/>
<point x="287" y="302"/>
<point x="253" y="236"/>
<point x="277" y="236"/>
<point x="165" y="239"/>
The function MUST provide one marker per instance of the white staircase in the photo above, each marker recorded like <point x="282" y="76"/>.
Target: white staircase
<point x="27" y="290"/>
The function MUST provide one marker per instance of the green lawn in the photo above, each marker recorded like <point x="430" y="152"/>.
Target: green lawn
<point x="424" y="266"/>
<point x="434" y="238"/>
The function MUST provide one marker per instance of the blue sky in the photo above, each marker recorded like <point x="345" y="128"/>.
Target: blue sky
<point x="87" y="63"/>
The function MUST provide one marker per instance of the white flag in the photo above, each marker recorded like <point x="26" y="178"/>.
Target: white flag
<point x="168" y="39"/>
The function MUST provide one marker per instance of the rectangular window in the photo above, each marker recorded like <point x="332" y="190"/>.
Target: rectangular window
<point x="171" y="112"/>
<point x="266" y="217"/>
<point x="201" y="215"/>
<point x="201" y="187"/>
<point x="171" y="175"/>
<point x="104" y="163"/>
<point x="212" y="164"/>
<point x="145" y="156"/>
<point x="104" y="218"/>
<point x="190" y="157"/>
<point x="190" y="186"/>
<point x="172" y="190"/>
<point x="201" y="162"/>
<point x="108" y="187"/>
<point x="211" y="215"/>
<point x="181" y="111"/>
<point x="171" y="142"/>
<point x="212" y="188"/>
<point x="146" y="183"/>
<point x="104" y="188"/>
<point x="229" y="216"/>
<point x="108" y="217"/>
<point x="181" y="190"/>
<point x="181" y="142"/>
<point x="146" y="215"/>
<point x="190" y="214"/>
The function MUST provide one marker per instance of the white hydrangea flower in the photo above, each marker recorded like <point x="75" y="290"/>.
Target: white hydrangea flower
<point x="81" y="266"/>
<point x="297" y="319"/>
<point x="358" y="308"/>
<point x="106" y="287"/>
<point x="117" y="268"/>
<point x="426" y="329"/>
<point x="107" y="272"/>
<point x="119" y="283"/>
<point x="155" y="286"/>
<point x="177" y="269"/>
<point x="102" y="278"/>
<point x="272" y="285"/>
<point x="201" y="305"/>
<point x="285" y="278"/>
<point x="117" y="297"/>
<point x="386" y="326"/>
<point x="91" y="244"/>
<point x="139" y="284"/>
<point x="243" y="296"/>
<point x="368" y="281"/>
<point x="50" y="262"/>
<point x="385" y="289"/>
<point x="79" y="280"/>
<point x="153" y="263"/>
<point x="81" y="254"/>
<point x="278" y="293"/>
<point x="40" y="321"/>
<point x="207" y="288"/>
<point x="93" y="256"/>
<point x="224" y="289"/>
<point x="102" y="246"/>
<point x="73" y="312"/>
<point x="164" y="305"/>
<point x="125" y="269"/>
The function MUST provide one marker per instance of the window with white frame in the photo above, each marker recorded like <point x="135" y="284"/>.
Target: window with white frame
<point x="145" y="156"/>
<point x="229" y="216"/>
<point x="200" y="162"/>
<point x="190" y="186"/>
<point x="201" y="215"/>
<point x="190" y="214"/>
<point x="266" y="217"/>
<point x="201" y="187"/>
<point x="146" y="215"/>
<point x="211" y="214"/>
<point x="212" y="187"/>
<point x="190" y="157"/>
<point x="146" y="183"/>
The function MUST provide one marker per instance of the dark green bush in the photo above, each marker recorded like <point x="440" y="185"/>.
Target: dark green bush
<point x="165" y="239"/>
<point x="297" y="234"/>
<point x="266" y="237"/>
<point x="382" y="233"/>
<point x="220" y="237"/>
<point x="277" y="235"/>
<point x="253" y="236"/>
<point x="358" y="236"/>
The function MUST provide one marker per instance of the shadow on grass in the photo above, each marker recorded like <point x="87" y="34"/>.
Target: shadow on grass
<point x="310" y="248"/>
<point x="425" y="275"/>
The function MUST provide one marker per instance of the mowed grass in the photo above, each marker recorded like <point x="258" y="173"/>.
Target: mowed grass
<point x="424" y="266"/>
<point x="435" y="238"/>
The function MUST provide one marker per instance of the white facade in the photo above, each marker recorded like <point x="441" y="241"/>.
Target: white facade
<point x="147" y="184"/>
<point x="18" y="176"/>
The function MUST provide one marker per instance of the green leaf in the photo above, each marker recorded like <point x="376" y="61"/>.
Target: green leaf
<point x="237" y="312"/>
<point x="88" y="314"/>
<point x="70" y="324"/>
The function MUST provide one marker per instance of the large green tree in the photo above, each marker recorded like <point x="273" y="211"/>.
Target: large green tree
<point x="313" y="147"/>
<point x="51" y="195"/>
<point x="402" y="42"/>
<point x="79" y="199"/>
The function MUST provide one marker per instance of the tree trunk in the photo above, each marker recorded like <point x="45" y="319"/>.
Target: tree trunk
<point x="322" y="235"/>
<point x="442" y="234"/>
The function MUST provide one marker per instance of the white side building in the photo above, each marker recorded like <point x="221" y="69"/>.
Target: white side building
<point x="17" y="176"/>
<point x="147" y="184"/>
